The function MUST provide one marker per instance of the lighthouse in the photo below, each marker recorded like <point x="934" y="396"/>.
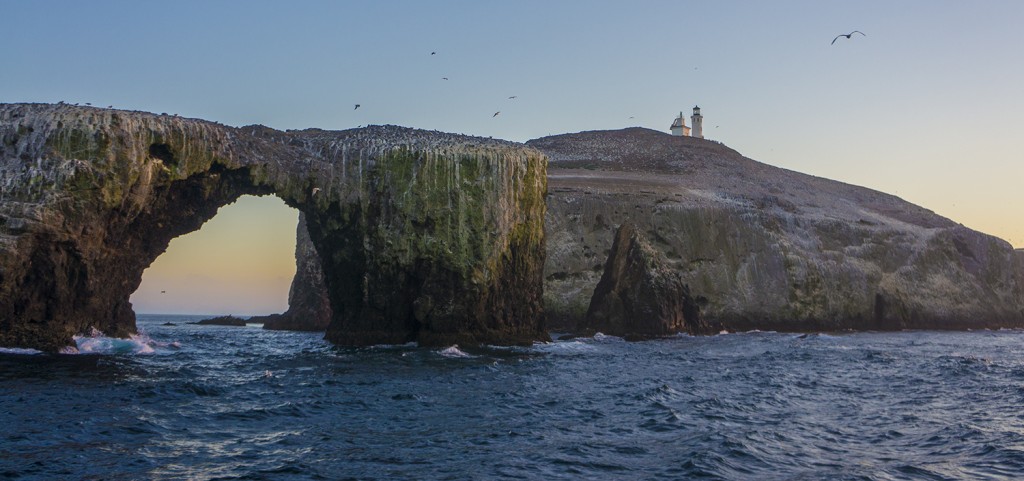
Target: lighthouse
<point x="697" y="120"/>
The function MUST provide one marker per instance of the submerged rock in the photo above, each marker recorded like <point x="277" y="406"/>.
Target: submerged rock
<point x="639" y="296"/>
<point x="423" y="236"/>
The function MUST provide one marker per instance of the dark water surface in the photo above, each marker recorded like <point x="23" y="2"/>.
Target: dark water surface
<point x="212" y="402"/>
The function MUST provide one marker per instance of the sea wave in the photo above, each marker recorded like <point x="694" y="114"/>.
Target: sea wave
<point x="21" y="351"/>
<point x="98" y="343"/>
<point x="454" y="352"/>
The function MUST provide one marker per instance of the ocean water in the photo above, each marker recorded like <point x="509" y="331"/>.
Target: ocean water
<point x="211" y="402"/>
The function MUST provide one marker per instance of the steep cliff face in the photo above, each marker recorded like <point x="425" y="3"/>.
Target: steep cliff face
<point x="639" y="296"/>
<point x="309" y="308"/>
<point x="768" y="248"/>
<point x="422" y="235"/>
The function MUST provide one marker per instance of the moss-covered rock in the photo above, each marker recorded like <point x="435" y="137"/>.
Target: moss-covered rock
<point x="423" y="236"/>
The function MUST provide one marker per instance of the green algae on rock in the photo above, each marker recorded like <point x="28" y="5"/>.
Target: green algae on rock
<point x="423" y="236"/>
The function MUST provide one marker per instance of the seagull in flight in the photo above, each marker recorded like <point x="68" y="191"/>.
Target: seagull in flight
<point x="357" y="107"/>
<point x="433" y="53"/>
<point x="847" y="35"/>
<point x="495" y="114"/>
<point x="444" y="78"/>
<point x="512" y="97"/>
<point x="163" y="292"/>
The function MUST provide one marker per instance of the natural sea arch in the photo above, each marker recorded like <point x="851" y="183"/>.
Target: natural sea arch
<point x="423" y="236"/>
<point x="240" y="262"/>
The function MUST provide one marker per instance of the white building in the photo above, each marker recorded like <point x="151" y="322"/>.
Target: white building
<point x="679" y="125"/>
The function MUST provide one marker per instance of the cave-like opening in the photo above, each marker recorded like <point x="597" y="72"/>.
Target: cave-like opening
<point x="241" y="262"/>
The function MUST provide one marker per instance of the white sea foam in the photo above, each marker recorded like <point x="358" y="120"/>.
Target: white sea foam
<point x="19" y="350"/>
<point x="98" y="343"/>
<point x="454" y="351"/>
<point x="602" y="337"/>
<point x="574" y="345"/>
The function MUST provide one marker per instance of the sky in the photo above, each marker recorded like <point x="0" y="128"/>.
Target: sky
<point x="927" y="105"/>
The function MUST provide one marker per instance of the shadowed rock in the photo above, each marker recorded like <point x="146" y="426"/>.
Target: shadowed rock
<point x="309" y="308"/>
<point x="638" y="296"/>
<point x="222" y="321"/>
<point x="423" y="236"/>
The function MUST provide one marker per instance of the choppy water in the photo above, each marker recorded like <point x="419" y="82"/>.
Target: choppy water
<point x="210" y="402"/>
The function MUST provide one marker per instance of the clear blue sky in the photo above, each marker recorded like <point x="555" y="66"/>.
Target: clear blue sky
<point x="927" y="106"/>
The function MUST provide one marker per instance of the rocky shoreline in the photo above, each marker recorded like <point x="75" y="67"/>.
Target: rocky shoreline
<point x="438" y="238"/>
<point x="422" y="236"/>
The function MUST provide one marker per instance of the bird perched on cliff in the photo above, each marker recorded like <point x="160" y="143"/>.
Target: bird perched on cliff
<point x="495" y="114"/>
<point x="315" y="190"/>
<point x="847" y="35"/>
<point x="357" y="107"/>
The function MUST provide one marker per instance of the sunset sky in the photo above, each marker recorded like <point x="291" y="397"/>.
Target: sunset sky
<point x="928" y="106"/>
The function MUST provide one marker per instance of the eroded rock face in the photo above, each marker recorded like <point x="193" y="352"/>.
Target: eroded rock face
<point x="423" y="236"/>
<point x="309" y="308"/>
<point x="639" y="296"/>
<point x="768" y="248"/>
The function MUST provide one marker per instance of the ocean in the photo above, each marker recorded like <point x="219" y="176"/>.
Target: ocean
<point x="185" y="401"/>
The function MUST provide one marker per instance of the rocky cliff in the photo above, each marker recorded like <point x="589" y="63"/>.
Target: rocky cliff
<point x="309" y="308"/>
<point x="640" y="296"/>
<point x="768" y="248"/>
<point x="422" y="236"/>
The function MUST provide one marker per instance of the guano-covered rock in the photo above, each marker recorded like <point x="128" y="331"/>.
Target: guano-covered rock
<point x="423" y="236"/>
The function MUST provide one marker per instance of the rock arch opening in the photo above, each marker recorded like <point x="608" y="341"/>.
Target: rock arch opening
<point x="238" y="263"/>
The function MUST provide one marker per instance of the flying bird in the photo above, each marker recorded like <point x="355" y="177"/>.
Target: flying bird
<point x="357" y="107"/>
<point x="433" y="53"/>
<point x="495" y="114"/>
<point x="847" y="35"/>
<point x="444" y="78"/>
<point x="163" y="292"/>
<point x="514" y="96"/>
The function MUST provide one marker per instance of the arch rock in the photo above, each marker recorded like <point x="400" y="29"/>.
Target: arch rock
<point x="423" y="236"/>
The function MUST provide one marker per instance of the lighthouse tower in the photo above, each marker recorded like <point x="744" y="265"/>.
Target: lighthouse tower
<point x="698" y="121"/>
<point x="679" y="127"/>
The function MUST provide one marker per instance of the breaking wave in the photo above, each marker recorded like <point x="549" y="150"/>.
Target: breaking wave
<point x="98" y="343"/>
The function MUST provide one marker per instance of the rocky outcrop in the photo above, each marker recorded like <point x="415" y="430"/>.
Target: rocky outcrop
<point x="423" y="236"/>
<point x="768" y="248"/>
<point x="638" y="296"/>
<point x="309" y="308"/>
<point x="222" y="321"/>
